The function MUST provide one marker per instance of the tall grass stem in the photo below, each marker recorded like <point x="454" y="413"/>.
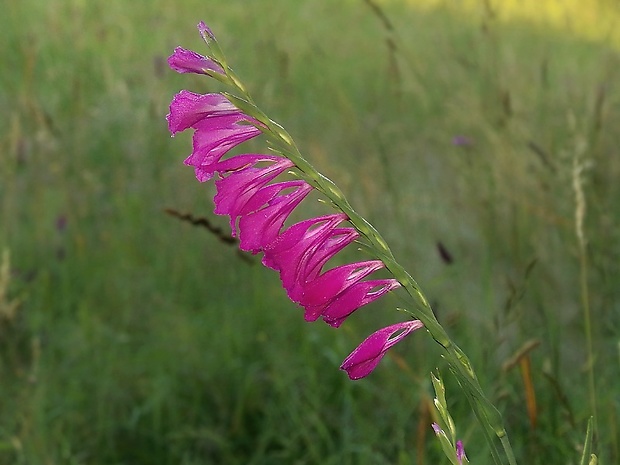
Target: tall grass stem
<point x="580" y="212"/>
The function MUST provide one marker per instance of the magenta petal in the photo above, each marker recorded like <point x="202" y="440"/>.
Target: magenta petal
<point x="271" y="196"/>
<point x="365" y="358"/>
<point x="289" y="245"/>
<point x="354" y="297"/>
<point x="245" y="182"/>
<point x="300" y="251"/>
<point x="210" y="146"/>
<point x="337" y="240"/>
<point x="313" y="262"/>
<point x="331" y="283"/>
<point x="261" y="227"/>
<point x="214" y="137"/>
<point x="187" y="108"/>
<point x="286" y="250"/>
<point x="188" y="61"/>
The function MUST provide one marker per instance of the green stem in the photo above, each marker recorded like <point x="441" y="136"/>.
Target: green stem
<point x="483" y="408"/>
<point x="485" y="428"/>
<point x="587" y="321"/>
<point x="488" y="416"/>
<point x="508" y="450"/>
<point x="580" y="211"/>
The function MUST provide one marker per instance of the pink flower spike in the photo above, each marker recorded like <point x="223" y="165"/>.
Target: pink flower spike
<point x="188" y="61"/>
<point x="244" y="181"/>
<point x="365" y="358"/>
<point x="259" y="228"/>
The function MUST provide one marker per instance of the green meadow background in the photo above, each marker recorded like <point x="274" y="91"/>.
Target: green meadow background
<point x="480" y="137"/>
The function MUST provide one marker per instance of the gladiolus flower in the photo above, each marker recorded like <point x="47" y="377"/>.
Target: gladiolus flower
<point x="261" y="227"/>
<point x="365" y="358"/>
<point x="243" y="183"/>
<point x="300" y="251"/>
<point x="354" y="297"/>
<point x="339" y="292"/>
<point x="321" y="290"/>
<point x="188" y="61"/>
<point x="187" y="108"/>
<point x="217" y="127"/>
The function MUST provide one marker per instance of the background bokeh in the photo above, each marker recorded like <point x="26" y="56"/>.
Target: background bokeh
<point x="465" y="131"/>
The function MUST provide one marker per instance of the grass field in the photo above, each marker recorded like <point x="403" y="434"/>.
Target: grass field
<point x="475" y="139"/>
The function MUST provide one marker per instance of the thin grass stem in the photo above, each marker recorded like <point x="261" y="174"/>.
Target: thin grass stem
<point x="580" y="211"/>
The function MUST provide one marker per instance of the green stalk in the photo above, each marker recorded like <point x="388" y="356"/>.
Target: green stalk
<point x="580" y="212"/>
<point x="487" y="415"/>
<point x="587" y="323"/>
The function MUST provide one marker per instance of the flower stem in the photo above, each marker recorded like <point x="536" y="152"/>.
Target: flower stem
<point x="488" y="416"/>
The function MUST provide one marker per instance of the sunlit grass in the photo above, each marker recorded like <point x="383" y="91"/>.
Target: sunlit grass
<point x="596" y="20"/>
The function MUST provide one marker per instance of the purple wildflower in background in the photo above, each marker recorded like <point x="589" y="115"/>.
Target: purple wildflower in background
<point x="61" y="223"/>
<point x="462" y="141"/>
<point x="259" y="205"/>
